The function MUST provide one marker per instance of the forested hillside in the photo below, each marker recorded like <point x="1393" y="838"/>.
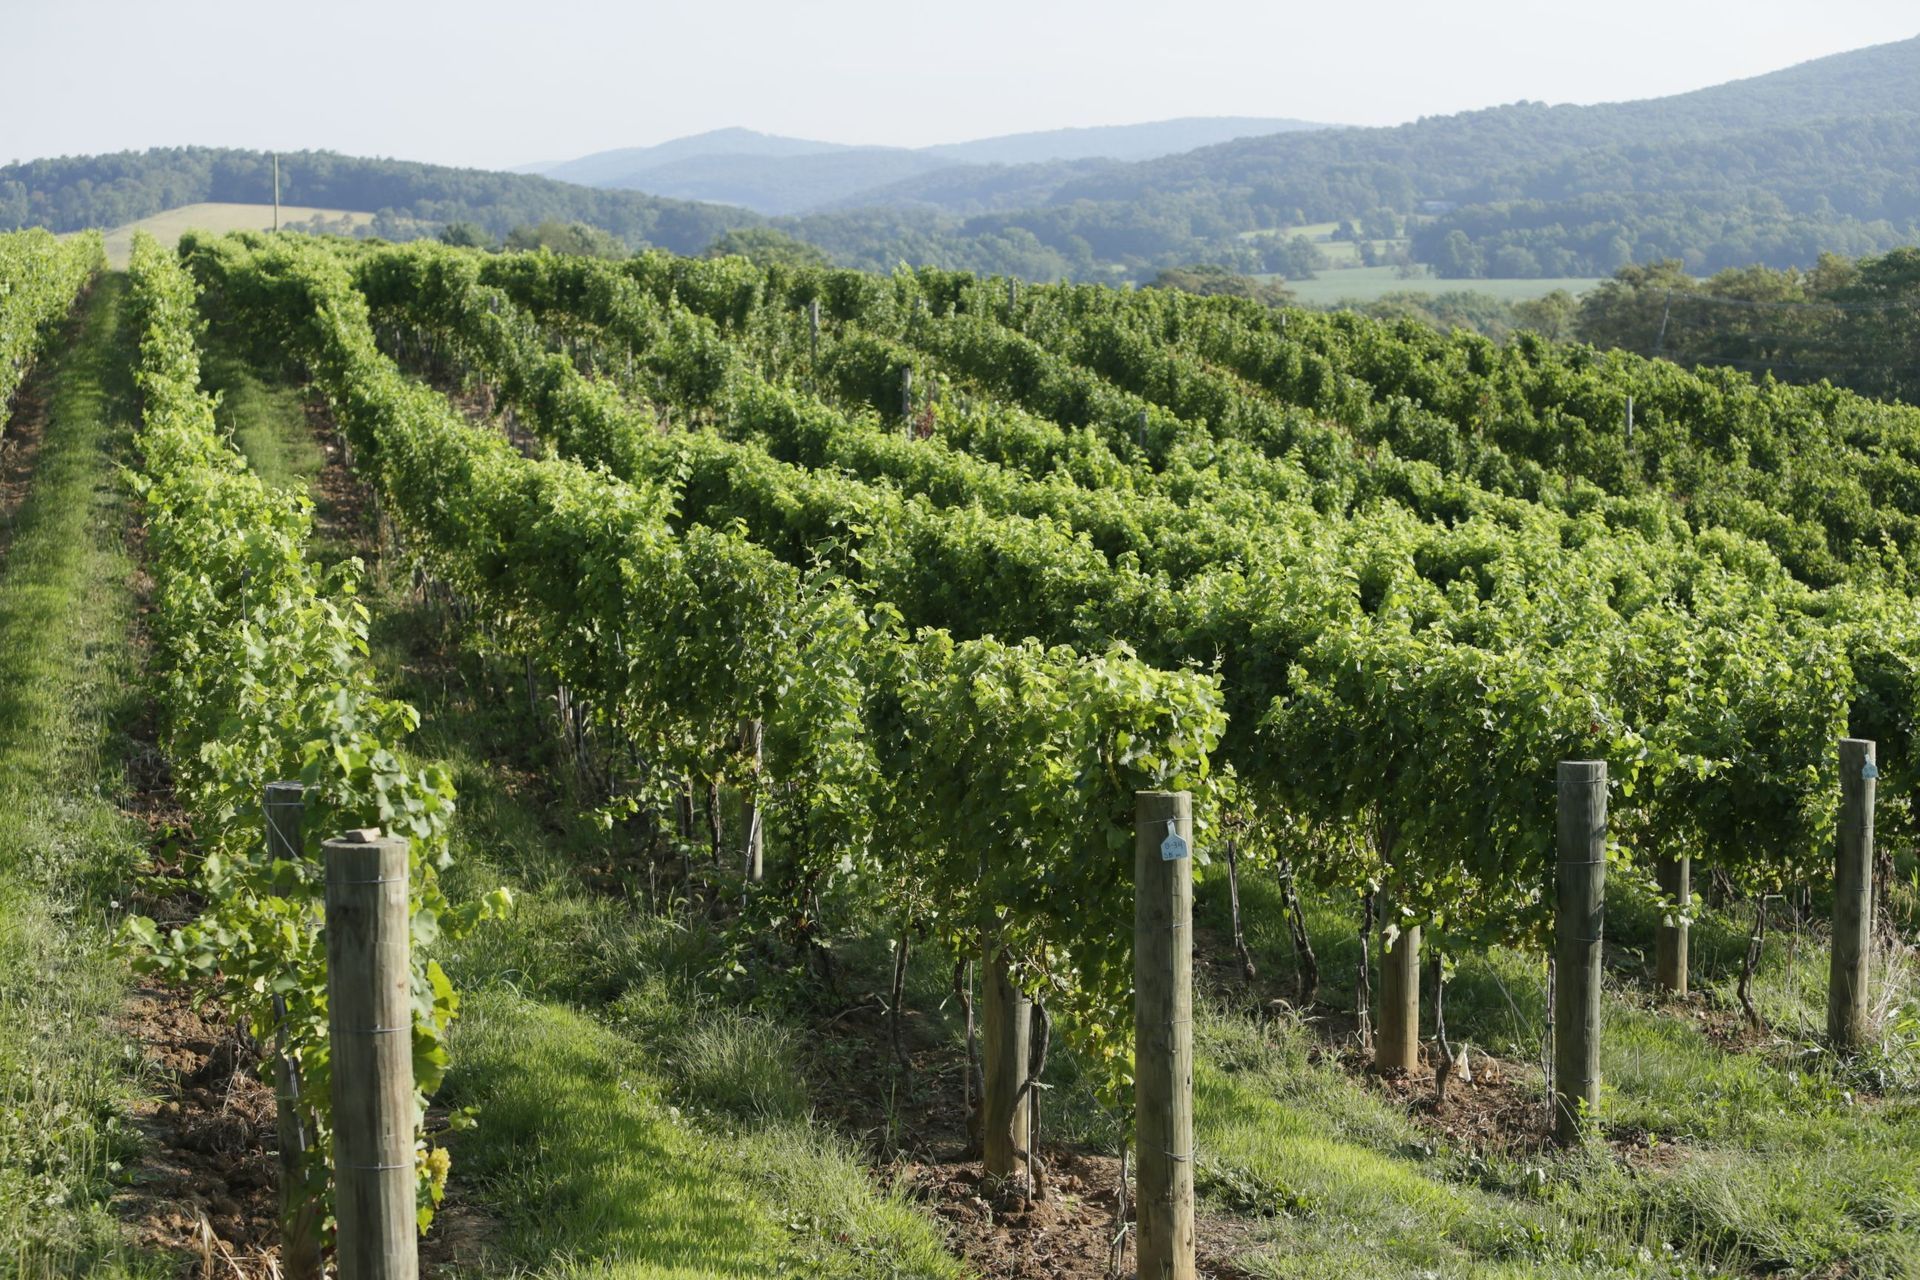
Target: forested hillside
<point x="74" y="192"/>
<point x="1763" y="151"/>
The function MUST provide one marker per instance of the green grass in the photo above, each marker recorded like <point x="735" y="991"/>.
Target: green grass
<point x="604" y="1177"/>
<point x="1772" y="1160"/>
<point x="267" y="419"/>
<point x="1369" y="284"/>
<point x="66" y="666"/>
<point x="1347" y="1186"/>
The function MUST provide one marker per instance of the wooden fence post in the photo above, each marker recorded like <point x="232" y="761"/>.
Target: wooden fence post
<point x="284" y="806"/>
<point x="369" y="999"/>
<point x="1396" y="1042"/>
<point x="1163" y="1031"/>
<point x="1852" y="896"/>
<point x="1675" y="876"/>
<point x="1006" y="1016"/>
<point x="1580" y="913"/>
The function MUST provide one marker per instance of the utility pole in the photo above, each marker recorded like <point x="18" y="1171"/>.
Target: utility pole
<point x="276" y="191"/>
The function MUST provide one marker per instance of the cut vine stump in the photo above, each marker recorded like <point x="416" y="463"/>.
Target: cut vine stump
<point x="1006" y="1017"/>
<point x="1675" y="877"/>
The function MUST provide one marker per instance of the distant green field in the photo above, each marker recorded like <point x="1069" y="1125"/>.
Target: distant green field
<point x="1340" y="253"/>
<point x="1368" y="284"/>
<point x="217" y="218"/>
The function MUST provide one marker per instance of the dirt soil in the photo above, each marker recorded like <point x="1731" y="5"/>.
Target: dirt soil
<point x="204" y="1187"/>
<point x="342" y="514"/>
<point x="1069" y="1233"/>
<point x="1500" y="1110"/>
<point x="20" y="437"/>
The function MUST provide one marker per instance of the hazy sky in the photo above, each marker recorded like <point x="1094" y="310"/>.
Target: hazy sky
<point x="490" y="83"/>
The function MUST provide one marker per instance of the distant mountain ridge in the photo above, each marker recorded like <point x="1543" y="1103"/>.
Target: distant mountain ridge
<point x="780" y="175"/>
<point x="1822" y="156"/>
<point x="779" y="184"/>
<point x="607" y="168"/>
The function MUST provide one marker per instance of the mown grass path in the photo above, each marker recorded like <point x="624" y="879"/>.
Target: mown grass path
<point x="68" y="683"/>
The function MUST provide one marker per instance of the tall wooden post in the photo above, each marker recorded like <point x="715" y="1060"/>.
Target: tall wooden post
<point x="1005" y="1037"/>
<point x="276" y="191"/>
<point x="1396" y="1044"/>
<point x="1852" y="896"/>
<point x="1163" y="1031"/>
<point x="1675" y="876"/>
<point x="369" y="982"/>
<point x="284" y="807"/>
<point x="1580" y="912"/>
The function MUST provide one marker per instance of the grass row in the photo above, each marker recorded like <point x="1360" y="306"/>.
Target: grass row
<point x="68" y="679"/>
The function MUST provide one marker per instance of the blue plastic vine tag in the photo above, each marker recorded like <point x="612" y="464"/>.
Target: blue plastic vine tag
<point x="1173" y="848"/>
<point x="1869" y="771"/>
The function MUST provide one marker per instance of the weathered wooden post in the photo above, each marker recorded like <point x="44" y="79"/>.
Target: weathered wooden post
<point x="1163" y="1031"/>
<point x="1005" y="1039"/>
<point x="284" y="807"/>
<point x="369" y="982"/>
<point x="1675" y="877"/>
<point x="1852" y="896"/>
<point x="1396" y="1044"/>
<point x="1580" y="913"/>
